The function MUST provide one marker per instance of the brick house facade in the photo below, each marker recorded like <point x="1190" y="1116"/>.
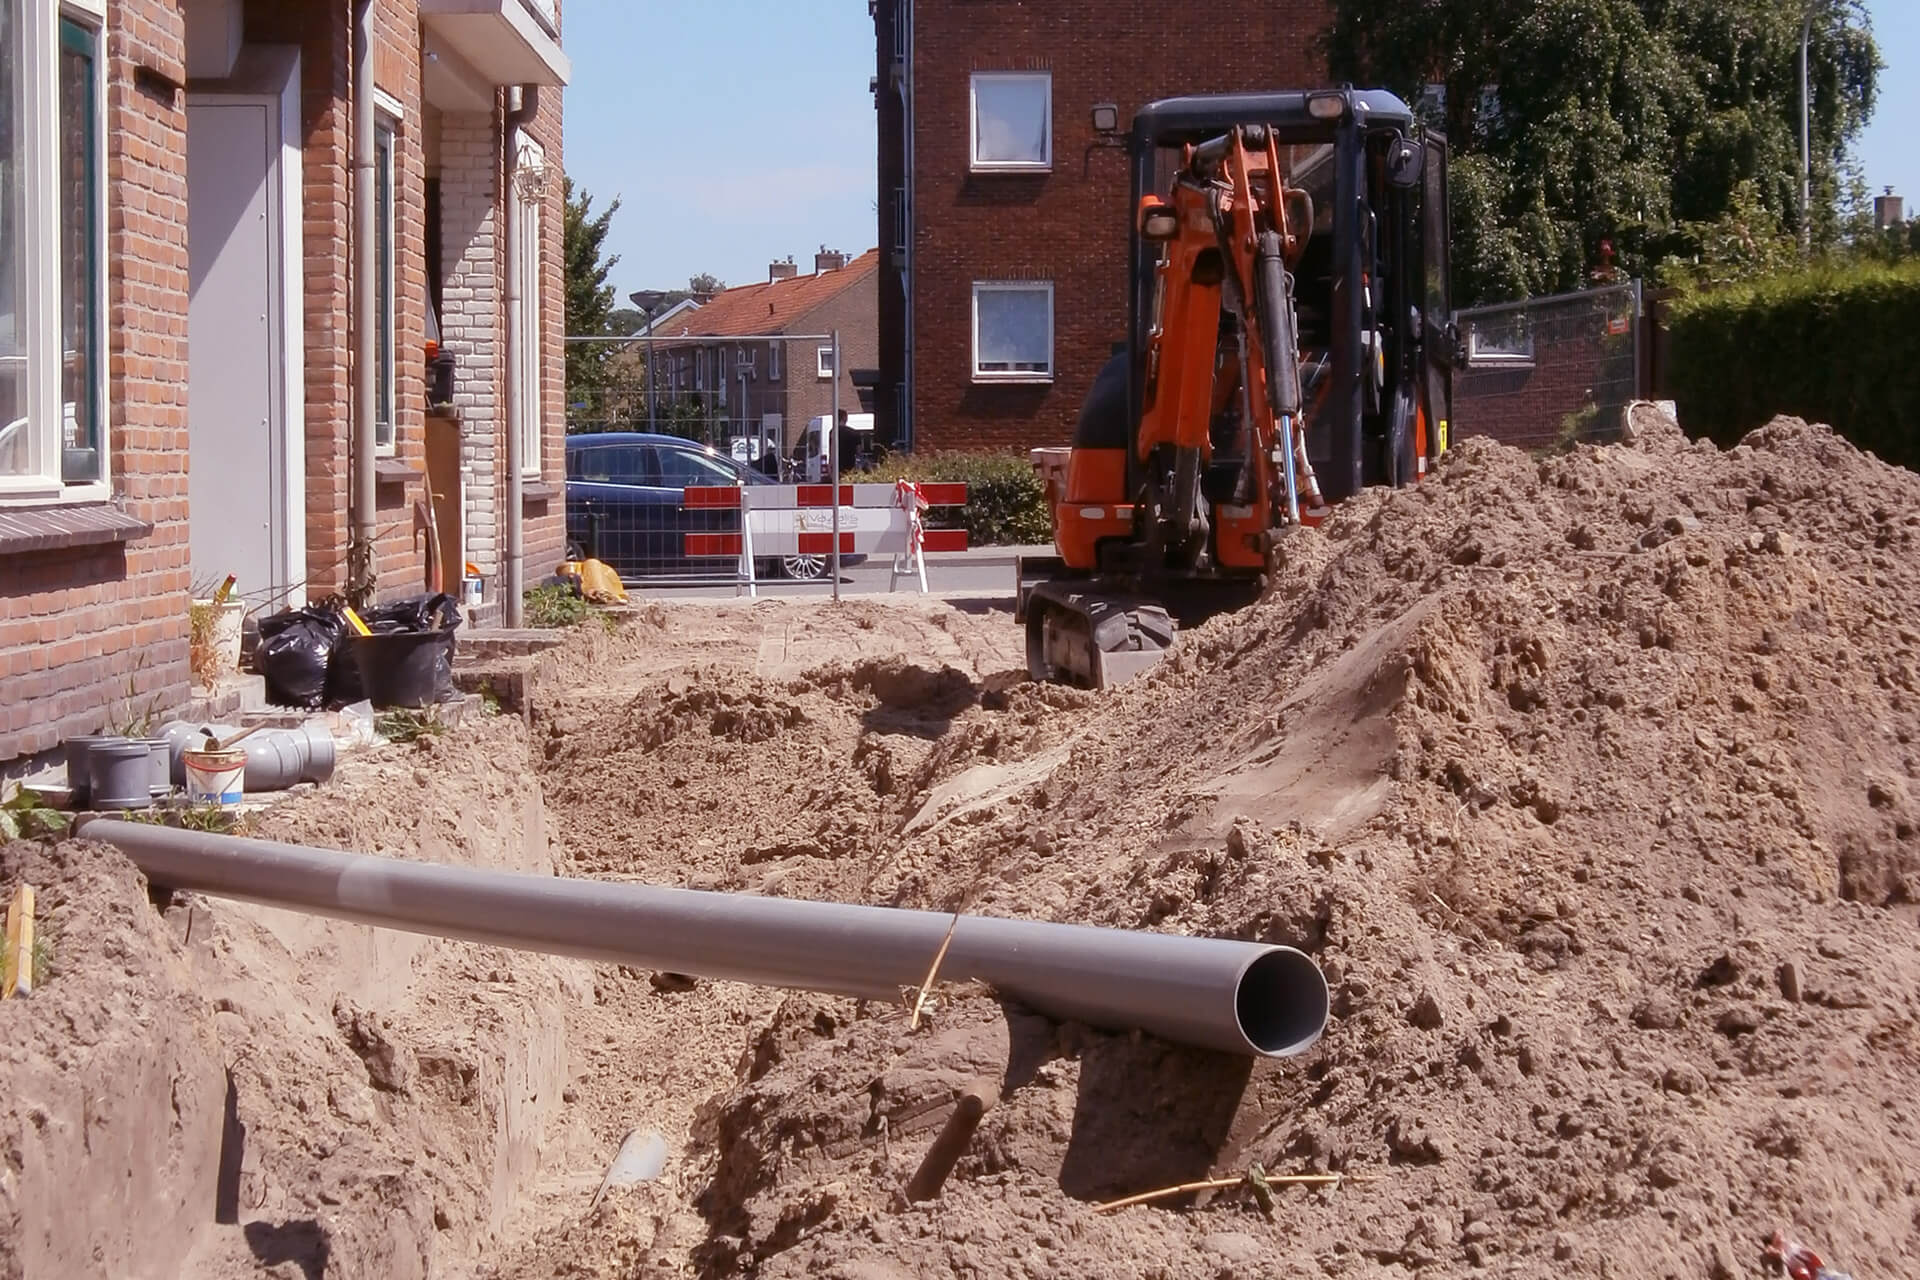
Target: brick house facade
<point x="771" y="385"/>
<point x="209" y="395"/>
<point x="1028" y="199"/>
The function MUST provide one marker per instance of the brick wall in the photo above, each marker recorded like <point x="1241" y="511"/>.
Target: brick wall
<point x="472" y="315"/>
<point x="1584" y="356"/>
<point x="77" y="626"/>
<point x="855" y="313"/>
<point x="1069" y="226"/>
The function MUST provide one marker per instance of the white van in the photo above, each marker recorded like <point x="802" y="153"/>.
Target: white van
<point x="810" y="453"/>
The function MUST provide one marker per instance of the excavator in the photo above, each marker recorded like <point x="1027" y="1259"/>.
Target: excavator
<point x="1289" y="342"/>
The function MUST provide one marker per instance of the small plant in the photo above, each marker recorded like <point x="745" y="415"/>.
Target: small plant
<point x="42" y="957"/>
<point x="200" y="649"/>
<point x="555" y="606"/>
<point x="208" y="816"/>
<point x="25" y="816"/>
<point x="408" y="725"/>
<point x="136" y="719"/>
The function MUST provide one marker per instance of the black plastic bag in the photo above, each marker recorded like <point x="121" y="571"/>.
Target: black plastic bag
<point x="298" y="648"/>
<point x="434" y="612"/>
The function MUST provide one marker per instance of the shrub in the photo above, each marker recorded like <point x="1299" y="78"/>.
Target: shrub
<point x="1006" y="501"/>
<point x="1830" y="344"/>
<point x="555" y="605"/>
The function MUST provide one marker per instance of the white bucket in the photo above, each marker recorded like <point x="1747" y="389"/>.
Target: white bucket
<point x="215" y="777"/>
<point x="227" y="633"/>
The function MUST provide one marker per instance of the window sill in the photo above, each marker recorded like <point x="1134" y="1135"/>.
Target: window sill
<point x="394" y="471"/>
<point x="989" y="167"/>
<point x="537" y="491"/>
<point x="1012" y="379"/>
<point x="31" y="529"/>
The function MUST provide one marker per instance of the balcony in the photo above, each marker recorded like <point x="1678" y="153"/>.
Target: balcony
<point x="503" y="41"/>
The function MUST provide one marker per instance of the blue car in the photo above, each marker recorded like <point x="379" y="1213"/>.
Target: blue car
<point x="624" y="507"/>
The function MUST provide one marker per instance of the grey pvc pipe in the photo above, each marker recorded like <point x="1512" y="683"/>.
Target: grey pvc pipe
<point x="365" y="303"/>
<point x="1236" y="997"/>
<point x="276" y="758"/>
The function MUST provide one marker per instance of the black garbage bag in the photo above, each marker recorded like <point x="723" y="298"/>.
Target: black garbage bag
<point x="436" y="611"/>
<point x="298" y="649"/>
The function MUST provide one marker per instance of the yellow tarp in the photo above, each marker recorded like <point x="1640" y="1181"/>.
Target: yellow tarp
<point x="598" y="582"/>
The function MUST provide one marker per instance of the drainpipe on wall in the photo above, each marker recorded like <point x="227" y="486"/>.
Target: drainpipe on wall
<point x="360" y="538"/>
<point x="512" y="583"/>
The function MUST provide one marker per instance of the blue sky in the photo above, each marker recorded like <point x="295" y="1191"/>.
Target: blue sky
<point x="738" y="131"/>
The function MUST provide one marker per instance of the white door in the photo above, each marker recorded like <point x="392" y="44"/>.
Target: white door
<point x="240" y="489"/>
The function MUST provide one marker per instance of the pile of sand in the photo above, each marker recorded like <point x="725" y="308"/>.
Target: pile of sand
<point x="1590" y="781"/>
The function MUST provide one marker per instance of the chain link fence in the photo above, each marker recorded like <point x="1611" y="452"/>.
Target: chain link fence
<point x="1553" y="371"/>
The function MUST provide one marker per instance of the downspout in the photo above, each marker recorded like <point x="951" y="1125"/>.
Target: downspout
<point x="513" y="568"/>
<point x="360" y="540"/>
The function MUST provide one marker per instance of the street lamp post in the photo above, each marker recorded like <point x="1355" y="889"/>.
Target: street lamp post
<point x="1806" y="132"/>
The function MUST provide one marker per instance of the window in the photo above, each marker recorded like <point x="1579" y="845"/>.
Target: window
<point x="1012" y="332"/>
<point x="1012" y="120"/>
<point x="682" y="467"/>
<point x="385" y="320"/>
<point x="773" y="361"/>
<point x="823" y="357"/>
<point x="614" y="464"/>
<point x="529" y="346"/>
<point x="1501" y="339"/>
<point x="53" y="438"/>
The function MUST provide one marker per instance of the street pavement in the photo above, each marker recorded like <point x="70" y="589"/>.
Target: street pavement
<point x="980" y="572"/>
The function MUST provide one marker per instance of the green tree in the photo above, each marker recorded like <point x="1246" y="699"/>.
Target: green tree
<point x="590" y="301"/>
<point x="1663" y="127"/>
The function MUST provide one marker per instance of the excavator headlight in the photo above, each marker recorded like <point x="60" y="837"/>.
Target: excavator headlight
<point x="1327" y="106"/>
<point x="1159" y="222"/>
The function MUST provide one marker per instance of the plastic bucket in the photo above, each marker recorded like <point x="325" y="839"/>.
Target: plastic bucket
<point x="120" y="774"/>
<point x="216" y="777"/>
<point x="405" y="668"/>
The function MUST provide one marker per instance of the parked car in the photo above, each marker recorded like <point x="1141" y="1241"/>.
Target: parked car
<point x="624" y="507"/>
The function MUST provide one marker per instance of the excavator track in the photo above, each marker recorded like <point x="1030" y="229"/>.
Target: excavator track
<point x="1080" y="635"/>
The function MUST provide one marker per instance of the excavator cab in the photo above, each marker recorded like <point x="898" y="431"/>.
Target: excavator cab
<point x="1289" y="342"/>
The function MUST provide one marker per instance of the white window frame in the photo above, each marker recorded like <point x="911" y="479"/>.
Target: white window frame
<point x="386" y="408"/>
<point x="1515" y="352"/>
<point x="823" y="361"/>
<point x="773" y="361"/>
<point x="1011" y="375"/>
<point x="529" y="384"/>
<point x="1045" y="163"/>
<point x="37" y="273"/>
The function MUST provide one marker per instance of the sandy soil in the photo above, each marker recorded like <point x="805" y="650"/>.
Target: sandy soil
<point x="1590" y="781"/>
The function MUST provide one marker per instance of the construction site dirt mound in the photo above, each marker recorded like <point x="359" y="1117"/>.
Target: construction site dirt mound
<point x="1590" y="780"/>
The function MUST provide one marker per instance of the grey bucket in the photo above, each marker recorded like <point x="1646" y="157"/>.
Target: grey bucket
<point x="120" y="774"/>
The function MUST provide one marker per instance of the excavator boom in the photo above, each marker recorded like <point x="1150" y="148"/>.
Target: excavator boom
<point x="1285" y="347"/>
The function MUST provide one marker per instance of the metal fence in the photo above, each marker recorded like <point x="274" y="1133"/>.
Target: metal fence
<point x="1551" y="371"/>
<point x="624" y="498"/>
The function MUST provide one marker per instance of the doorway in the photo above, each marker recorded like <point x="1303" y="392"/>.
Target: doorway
<point x="246" y="421"/>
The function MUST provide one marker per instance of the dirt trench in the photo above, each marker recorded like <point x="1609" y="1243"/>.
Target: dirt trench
<point x="1589" y="780"/>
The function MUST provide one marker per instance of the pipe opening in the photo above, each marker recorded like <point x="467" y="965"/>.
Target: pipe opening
<point x="1282" y="1002"/>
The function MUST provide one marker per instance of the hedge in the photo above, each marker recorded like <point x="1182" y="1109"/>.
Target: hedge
<point x="1006" y="501"/>
<point x="1833" y="345"/>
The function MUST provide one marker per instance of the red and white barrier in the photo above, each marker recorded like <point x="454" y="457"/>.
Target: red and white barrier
<point x="777" y="521"/>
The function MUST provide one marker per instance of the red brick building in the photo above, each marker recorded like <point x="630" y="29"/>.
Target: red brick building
<point x="769" y="390"/>
<point x="1003" y="212"/>
<point x="180" y="377"/>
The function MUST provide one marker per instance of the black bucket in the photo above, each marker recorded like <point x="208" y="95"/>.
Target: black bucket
<point x="405" y="668"/>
